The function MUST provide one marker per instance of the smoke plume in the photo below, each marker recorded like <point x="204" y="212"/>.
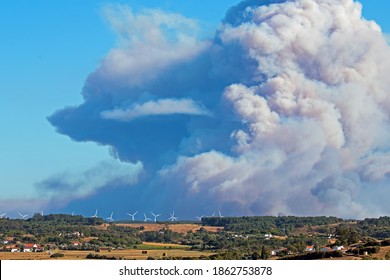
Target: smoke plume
<point x="284" y="111"/>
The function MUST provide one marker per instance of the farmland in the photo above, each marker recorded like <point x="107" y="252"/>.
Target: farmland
<point x="126" y="254"/>
<point x="179" y="228"/>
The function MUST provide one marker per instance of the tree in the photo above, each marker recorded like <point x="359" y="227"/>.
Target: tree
<point x="256" y="256"/>
<point x="264" y="253"/>
<point x="347" y="235"/>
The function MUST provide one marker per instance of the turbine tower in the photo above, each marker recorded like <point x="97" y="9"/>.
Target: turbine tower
<point x="23" y="216"/>
<point x="132" y="215"/>
<point x="172" y="217"/>
<point x="95" y="216"/>
<point x="155" y="216"/>
<point x="199" y="218"/>
<point x="146" y="218"/>
<point x="110" y="219"/>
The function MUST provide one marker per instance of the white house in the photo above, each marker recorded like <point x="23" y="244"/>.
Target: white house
<point x="30" y="247"/>
<point x="13" y="250"/>
<point x="279" y="252"/>
<point x="267" y="236"/>
<point x="338" y="248"/>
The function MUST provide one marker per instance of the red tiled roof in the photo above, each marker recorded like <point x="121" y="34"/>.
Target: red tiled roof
<point x="27" y="246"/>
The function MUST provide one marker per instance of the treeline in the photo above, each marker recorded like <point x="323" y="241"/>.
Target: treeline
<point x="375" y="222"/>
<point x="247" y="244"/>
<point x="267" y="224"/>
<point x="63" y="230"/>
<point x="67" y="219"/>
<point x="164" y="236"/>
<point x="377" y="228"/>
<point x="315" y="256"/>
<point x="57" y="225"/>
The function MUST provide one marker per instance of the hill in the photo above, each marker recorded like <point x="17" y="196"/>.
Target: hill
<point x="215" y="237"/>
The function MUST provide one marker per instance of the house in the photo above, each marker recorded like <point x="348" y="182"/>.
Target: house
<point x="279" y="252"/>
<point x="267" y="236"/>
<point x="8" y="240"/>
<point x="310" y="249"/>
<point x="12" y="248"/>
<point x="338" y="248"/>
<point x="31" y="247"/>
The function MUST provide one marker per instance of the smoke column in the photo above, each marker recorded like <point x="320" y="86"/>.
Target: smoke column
<point x="284" y="111"/>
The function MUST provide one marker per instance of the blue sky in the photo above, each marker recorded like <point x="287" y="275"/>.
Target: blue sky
<point x="48" y="49"/>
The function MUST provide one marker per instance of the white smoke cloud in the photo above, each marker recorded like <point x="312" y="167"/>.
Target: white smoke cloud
<point x="387" y="37"/>
<point x="156" y="108"/>
<point x="324" y="93"/>
<point x="299" y="98"/>
<point x="60" y="189"/>
<point x="70" y="185"/>
<point x="148" y="42"/>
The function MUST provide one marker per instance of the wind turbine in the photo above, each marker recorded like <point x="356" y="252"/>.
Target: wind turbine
<point x="110" y="219"/>
<point x="132" y="215"/>
<point x="3" y="215"/>
<point x="172" y="217"/>
<point x="146" y="218"/>
<point x="23" y="216"/>
<point x="199" y="218"/>
<point x="155" y="216"/>
<point x="42" y="213"/>
<point x="95" y="216"/>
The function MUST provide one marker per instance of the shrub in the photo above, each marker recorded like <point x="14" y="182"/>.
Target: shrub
<point x="385" y="242"/>
<point x="57" y="255"/>
<point x="102" y="257"/>
<point x="315" y="256"/>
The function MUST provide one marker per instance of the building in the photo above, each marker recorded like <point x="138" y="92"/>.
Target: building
<point x="310" y="249"/>
<point x="31" y="247"/>
<point x="338" y="248"/>
<point x="12" y="248"/>
<point x="279" y="252"/>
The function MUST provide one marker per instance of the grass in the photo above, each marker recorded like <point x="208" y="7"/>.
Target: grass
<point x="154" y="251"/>
<point x="160" y="246"/>
<point x="180" y="228"/>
